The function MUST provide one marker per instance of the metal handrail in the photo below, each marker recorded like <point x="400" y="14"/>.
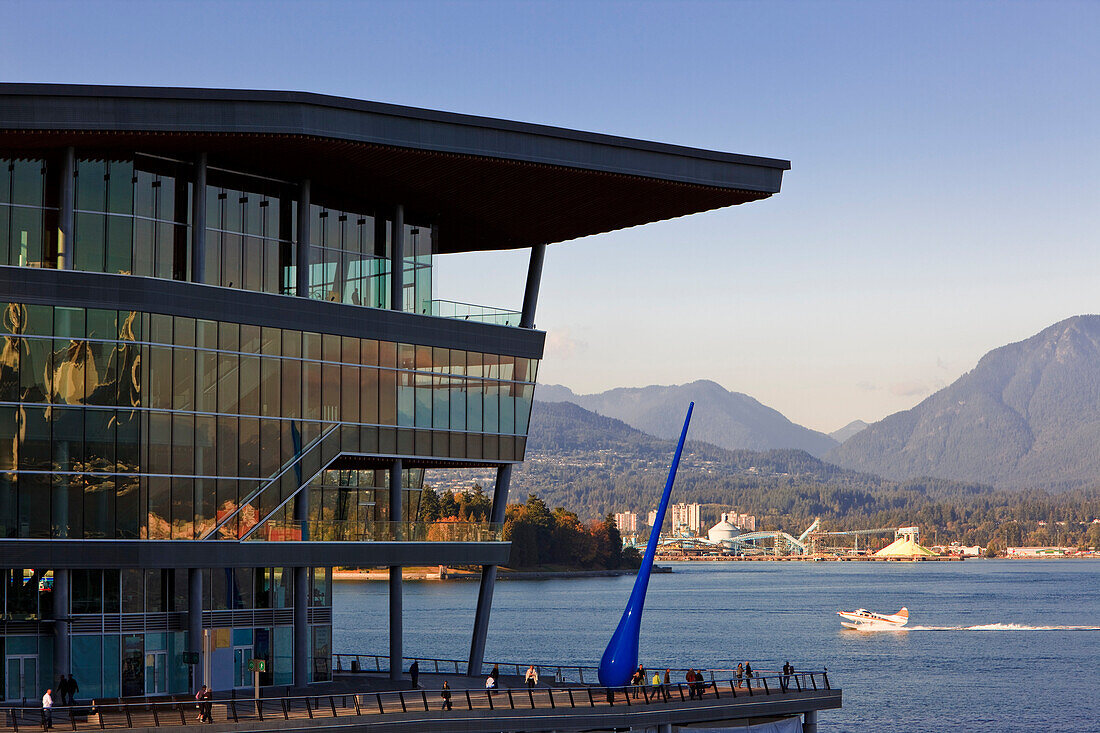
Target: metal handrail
<point x="342" y="663"/>
<point x="169" y="713"/>
<point x="305" y="451"/>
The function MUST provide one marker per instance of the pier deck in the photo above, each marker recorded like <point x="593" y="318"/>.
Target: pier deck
<point x="544" y="708"/>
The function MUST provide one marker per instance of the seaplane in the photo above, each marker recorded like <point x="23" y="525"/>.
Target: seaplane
<point x="863" y="620"/>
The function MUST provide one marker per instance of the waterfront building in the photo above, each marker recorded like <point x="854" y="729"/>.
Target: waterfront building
<point x="723" y="532"/>
<point x="685" y="517"/>
<point x="224" y="369"/>
<point x="627" y="522"/>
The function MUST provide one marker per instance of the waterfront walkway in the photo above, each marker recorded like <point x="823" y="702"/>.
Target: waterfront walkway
<point x="572" y="707"/>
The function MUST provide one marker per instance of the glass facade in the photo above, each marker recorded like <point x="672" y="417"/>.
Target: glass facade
<point x="133" y="216"/>
<point x="131" y="424"/>
<point x="118" y="424"/>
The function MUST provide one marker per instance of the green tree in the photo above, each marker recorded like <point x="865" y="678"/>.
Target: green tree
<point x="429" y="505"/>
<point x="448" y="507"/>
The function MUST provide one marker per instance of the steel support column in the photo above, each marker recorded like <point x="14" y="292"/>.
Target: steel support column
<point x="301" y="626"/>
<point x="302" y="597"/>
<point x="60" y="622"/>
<point x="809" y="721"/>
<point x="198" y="221"/>
<point x="194" y="625"/>
<point x="65" y="202"/>
<point x="488" y="578"/>
<point x="397" y="261"/>
<point x="396" y="517"/>
<point x="301" y="262"/>
<point x="531" y="292"/>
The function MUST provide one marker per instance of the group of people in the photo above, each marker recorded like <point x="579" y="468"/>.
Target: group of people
<point x="697" y="684"/>
<point x="66" y="694"/>
<point x="204" y="704"/>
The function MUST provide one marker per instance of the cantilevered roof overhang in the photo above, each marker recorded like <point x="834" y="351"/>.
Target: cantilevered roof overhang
<point x="487" y="183"/>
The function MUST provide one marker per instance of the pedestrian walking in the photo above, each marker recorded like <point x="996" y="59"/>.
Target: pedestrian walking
<point x="414" y="674"/>
<point x="740" y="673"/>
<point x="446" y="695"/>
<point x="658" y="688"/>
<point x="748" y="674"/>
<point x="639" y="677"/>
<point x="786" y="679"/>
<point x="690" y="677"/>
<point x="62" y="690"/>
<point x="532" y="676"/>
<point x="73" y="689"/>
<point x="47" y="709"/>
<point x="198" y="701"/>
<point x="206" y="708"/>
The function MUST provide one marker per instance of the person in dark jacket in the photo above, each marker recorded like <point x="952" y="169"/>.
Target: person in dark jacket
<point x="414" y="673"/>
<point x="62" y="690"/>
<point x="446" y="695"/>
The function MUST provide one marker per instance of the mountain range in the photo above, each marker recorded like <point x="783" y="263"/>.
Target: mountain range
<point x="1028" y="415"/>
<point x="726" y="419"/>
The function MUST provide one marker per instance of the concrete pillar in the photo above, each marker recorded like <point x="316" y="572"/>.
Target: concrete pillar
<point x="396" y="518"/>
<point x="60" y="623"/>
<point x="302" y="258"/>
<point x="397" y="261"/>
<point x="65" y="202"/>
<point x="198" y="221"/>
<point x="488" y="578"/>
<point x="301" y="626"/>
<point x="194" y="625"/>
<point x="809" y="721"/>
<point x="531" y="292"/>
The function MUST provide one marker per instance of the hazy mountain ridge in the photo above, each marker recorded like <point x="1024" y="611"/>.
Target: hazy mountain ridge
<point x="730" y="420"/>
<point x="1028" y="415"/>
<point x="848" y="430"/>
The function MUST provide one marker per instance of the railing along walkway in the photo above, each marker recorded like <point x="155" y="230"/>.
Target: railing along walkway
<point x="176" y="713"/>
<point x="563" y="673"/>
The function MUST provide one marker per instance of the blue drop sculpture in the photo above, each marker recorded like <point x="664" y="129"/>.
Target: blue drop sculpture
<point x="620" y="659"/>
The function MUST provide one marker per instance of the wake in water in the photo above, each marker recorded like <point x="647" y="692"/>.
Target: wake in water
<point x="1000" y="627"/>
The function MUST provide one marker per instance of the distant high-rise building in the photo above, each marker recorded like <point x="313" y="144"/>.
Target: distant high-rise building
<point x="651" y="518"/>
<point x="743" y="521"/>
<point x="627" y="522"/>
<point x="685" y="516"/>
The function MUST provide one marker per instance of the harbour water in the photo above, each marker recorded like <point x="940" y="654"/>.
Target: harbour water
<point x="992" y="645"/>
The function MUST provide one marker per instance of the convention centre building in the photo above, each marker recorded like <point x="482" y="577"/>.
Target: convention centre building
<point x="223" y="370"/>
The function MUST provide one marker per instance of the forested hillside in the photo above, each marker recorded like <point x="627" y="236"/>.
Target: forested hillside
<point x="594" y="465"/>
<point x="1027" y="416"/>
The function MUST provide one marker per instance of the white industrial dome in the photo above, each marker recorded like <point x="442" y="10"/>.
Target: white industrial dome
<point x="722" y="531"/>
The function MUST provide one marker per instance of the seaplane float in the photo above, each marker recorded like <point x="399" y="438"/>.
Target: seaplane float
<point x="863" y="620"/>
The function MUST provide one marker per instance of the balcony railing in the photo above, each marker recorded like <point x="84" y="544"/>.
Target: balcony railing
<point x="347" y="531"/>
<point x="471" y="312"/>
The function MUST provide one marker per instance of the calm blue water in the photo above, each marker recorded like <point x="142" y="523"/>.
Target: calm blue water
<point x="1029" y="672"/>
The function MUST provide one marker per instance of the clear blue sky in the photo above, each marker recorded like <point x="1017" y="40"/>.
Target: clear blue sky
<point x="944" y="197"/>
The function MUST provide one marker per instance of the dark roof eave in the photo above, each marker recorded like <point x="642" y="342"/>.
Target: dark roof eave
<point x="159" y="109"/>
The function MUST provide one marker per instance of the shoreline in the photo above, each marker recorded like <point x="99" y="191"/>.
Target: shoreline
<point x="444" y="573"/>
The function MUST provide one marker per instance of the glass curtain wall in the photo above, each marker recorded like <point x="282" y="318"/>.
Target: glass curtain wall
<point x="137" y="425"/>
<point x="131" y="217"/>
<point x="28" y="212"/>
